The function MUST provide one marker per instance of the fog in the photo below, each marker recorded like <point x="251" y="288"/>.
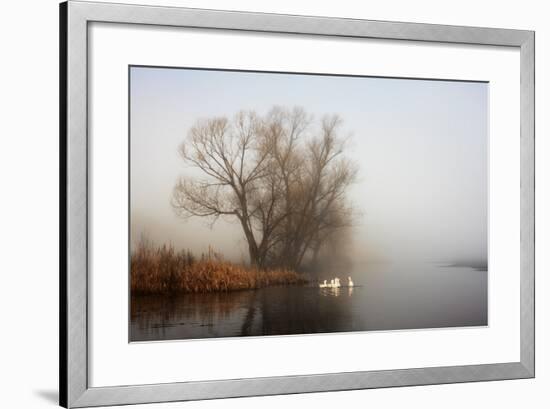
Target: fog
<point x="420" y="146"/>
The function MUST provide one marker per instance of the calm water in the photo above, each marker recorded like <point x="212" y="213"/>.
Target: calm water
<point x="386" y="297"/>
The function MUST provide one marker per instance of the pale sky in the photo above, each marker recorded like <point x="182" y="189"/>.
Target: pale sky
<point x="421" y="147"/>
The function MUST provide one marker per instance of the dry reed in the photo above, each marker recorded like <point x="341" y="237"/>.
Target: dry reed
<point x="163" y="270"/>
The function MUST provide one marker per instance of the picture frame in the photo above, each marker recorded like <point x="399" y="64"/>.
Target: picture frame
<point x="75" y="17"/>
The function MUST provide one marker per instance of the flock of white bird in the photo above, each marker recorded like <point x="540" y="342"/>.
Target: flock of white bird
<point x="334" y="283"/>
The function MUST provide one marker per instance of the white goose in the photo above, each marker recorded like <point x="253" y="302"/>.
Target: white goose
<point x="334" y="283"/>
<point x="350" y="283"/>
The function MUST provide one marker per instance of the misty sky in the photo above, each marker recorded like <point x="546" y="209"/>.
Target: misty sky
<point x="421" y="147"/>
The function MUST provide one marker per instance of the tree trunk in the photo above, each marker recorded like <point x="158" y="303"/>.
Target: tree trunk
<point x="252" y="246"/>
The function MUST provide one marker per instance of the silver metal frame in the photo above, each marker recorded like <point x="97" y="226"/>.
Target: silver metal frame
<point x="74" y="18"/>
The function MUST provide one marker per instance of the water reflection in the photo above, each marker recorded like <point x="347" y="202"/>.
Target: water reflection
<point x="330" y="292"/>
<point x="335" y="291"/>
<point x="389" y="297"/>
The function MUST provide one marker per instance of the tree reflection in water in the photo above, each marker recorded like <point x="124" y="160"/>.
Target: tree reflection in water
<point x="267" y="311"/>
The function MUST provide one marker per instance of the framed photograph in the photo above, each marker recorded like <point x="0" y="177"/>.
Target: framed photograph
<point x="259" y="204"/>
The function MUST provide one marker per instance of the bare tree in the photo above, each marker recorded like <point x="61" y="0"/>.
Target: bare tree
<point x="284" y="182"/>
<point x="316" y="194"/>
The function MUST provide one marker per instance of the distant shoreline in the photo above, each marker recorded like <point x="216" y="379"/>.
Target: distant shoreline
<point x="476" y="265"/>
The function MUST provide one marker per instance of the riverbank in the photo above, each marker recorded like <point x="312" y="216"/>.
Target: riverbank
<point x="163" y="270"/>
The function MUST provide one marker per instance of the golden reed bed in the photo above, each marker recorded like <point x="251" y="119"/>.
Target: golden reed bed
<point x="163" y="270"/>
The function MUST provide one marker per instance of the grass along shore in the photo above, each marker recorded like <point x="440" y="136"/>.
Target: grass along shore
<point x="163" y="270"/>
